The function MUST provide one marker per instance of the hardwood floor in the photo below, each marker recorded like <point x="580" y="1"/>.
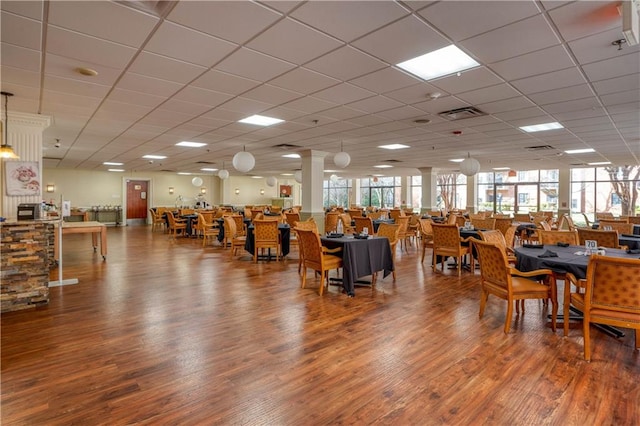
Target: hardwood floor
<point x="166" y="332"/>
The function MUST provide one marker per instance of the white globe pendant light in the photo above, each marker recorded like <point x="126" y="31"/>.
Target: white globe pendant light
<point x="196" y="181"/>
<point x="342" y="159"/>
<point x="243" y="161"/>
<point x="469" y="166"/>
<point x="271" y="181"/>
<point x="298" y="176"/>
<point x="223" y="173"/>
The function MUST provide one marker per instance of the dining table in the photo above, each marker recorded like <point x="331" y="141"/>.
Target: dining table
<point x="220" y="221"/>
<point x="360" y="258"/>
<point x="285" y="239"/>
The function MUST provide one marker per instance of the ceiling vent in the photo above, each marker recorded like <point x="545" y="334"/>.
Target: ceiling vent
<point x="287" y="146"/>
<point x="167" y="170"/>
<point x="392" y="161"/>
<point x="540" y="148"/>
<point x="205" y="162"/>
<point x="461" y="113"/>
<point x="422" y="121"/>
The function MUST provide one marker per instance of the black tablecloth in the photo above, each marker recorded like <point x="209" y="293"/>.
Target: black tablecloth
<point x="247" y="221"/>
<point x="361" y="258"/>
<point x="285" y="238"/>
<point x="191" y="218"/>
<point x="631" y="241"/>
<point x="567" y="260"/>
<point x="636" y="228"/>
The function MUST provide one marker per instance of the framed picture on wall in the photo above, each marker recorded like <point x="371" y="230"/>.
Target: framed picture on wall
<point x="22" y="177"/>
<point x="285" y="191"/>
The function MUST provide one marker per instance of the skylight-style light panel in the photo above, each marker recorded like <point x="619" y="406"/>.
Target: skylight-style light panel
<point x="291" y="155"/>
<point x="116" y="170"/>
<point x="457" y="160"/>
<point x="438" y="63"/>
<point x="600" y="163"/>
<point x="580" y="151"/>
<point x="112" y="163"/>
<point x="191" y="144"/>
<point x="542" y="127"/>
<point x="209" y="169"/>
<point x="260" y="120"/>
<point x="184" y="173"/>
<point x="501" y="168"/>
<point x="154" y="157"/>
<point x="394" y="146"/>
<point x="383" y="166"/>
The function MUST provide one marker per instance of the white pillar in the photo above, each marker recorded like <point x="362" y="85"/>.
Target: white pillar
<point x="564" y="191"/>
<point x="429" y="188"/>
<point x="312" y="178"/>
<point x="472" y="194"/>
<point x="405" y="192"/>
<point x="24" y="134"/>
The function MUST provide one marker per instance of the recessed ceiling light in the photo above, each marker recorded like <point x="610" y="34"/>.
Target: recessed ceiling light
<point x="155" y="157"/>
<point x="87" y="71"/>
<point x="542" y="127"/>
<point x="599" y="163"/>
<point x="382" y="166"/>
<point x="501" y="168"/>
<point x="377" y="175"/>
<point x="116" y="170"/>
<point x="291" y="155"/>
<point x="184" y="173"/>
<point x="445" y="61"/>
<point x="457" y="160"/>
<point x="580" y="151"/>
<point x="111" y="163"/>
<point x="191" y="144"/>
<point x="331" y="171"/>
<point x="209" y="169"/>
<point x="394" y="146"/>
<point x="260" y="120"/>
<point x="256" y="177"/>
<point x="286" y="174"/>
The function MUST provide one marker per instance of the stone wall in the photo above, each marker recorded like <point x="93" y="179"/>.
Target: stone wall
<point x="26" y="257"/>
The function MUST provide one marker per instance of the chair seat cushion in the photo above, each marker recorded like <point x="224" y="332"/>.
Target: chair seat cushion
<point x="331" y="261"/>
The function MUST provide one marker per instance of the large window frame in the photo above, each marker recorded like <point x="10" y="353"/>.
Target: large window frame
<point x="381" y="192"/>
<point x="335" y="192"/>
<point x="522" y="191"/>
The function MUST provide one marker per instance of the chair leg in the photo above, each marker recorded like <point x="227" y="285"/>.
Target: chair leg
<point x="587" y="340"/>
<point x="304" y="277"/>
<point x="483" y="302"/>
<point x="507" y="323"/>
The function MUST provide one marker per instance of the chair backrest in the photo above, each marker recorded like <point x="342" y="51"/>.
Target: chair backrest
<point x="403" y="221"/>
<point x="374" y="215"/>
<point x="308" y="225"/>
<point x="634" y="219"/>
<point x="604" y="215"/>
<point x="171" y="218"/>
<point x="613" y="283"/>
<point x="434" y="212"/>
<point x="363" y="222"/>
<point x="522" y="217"/>
<point x="566" y="223"/>
<point x="426" y="231"/>
<point x="460" y="221"/>
<point x="391" y="232"/>
<point x="255" y="212"/>
<point x="331" y="221"/>
<point x="495" y="237"/>
<point x="275" y="209"/>
<point x="265" y="231"/>
<point x="346" y="220"/>
<point x="493" y="264"/>
<point x="186" y="211"/>
<point x="292" y="218"/>
<point x="542" y="224"/>
<point x="452" y="219"/>
<point x="230" y="228"/>
<point x="604" y="238"/>
<point x="555" y="237"/>
<point x="502" y="224"/>
<point x="621" y="227"/>
<point x="200" y="225"/>
<point x="154" y="215"/>
<point x="354" y="212"/>
<point x="510" y="236"/>
<point x="483" y="223"/>
<point x="394" y="213"/>
<point x="311" y="247"/>
<point x="445" y="235"/>
<point x="239" y="219"/>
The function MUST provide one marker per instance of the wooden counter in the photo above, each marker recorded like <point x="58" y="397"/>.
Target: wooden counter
<point x="94" y="228"/>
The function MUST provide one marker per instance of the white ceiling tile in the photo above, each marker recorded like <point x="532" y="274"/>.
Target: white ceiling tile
<point x="224" y="82"/>
<point x="305" y="81"/>
<point x="540" y="62"/>
<point x="164" y="68"/>
<point x="402" y="40"/>
<point x="97" y="19"/>
<point x="488" y="94"/>
<point x="576" y="105"/>
<point x="19" y="57"/>
<point x="20" y="77"/>
<point x="282" y="6"/>
<point x="472" y="79"/>
<point x="598" y="47"/>
<point x="28" y="9"/>
<point x="136" y="98"/>
<point x="235" y="21"/>
<point x="141" y="83"/>
<point x="402" y="113"/>
<point x="463" y="19"/>
<point x="272" y="95"/>
<point x="549" y="81"/>
<point x="583" y="18"/>
<point x="618" y="84"/>
<point x="565" y="94"/>
<point x="629" y="96"/>
<point x="254" y="65"/>
<point x="375" y="104"/>
<point x="505" y="105"/>
<point x="343" y="93"/>
<point x="20" y="31"/>
<point x="293" y="42"/>
<point x="338" y="113"/>
<point x="202" y="96"/>
<point x="385" y="80"/>
<point x="440" y="104"/>
<point x="524" y="113"/>
<point x="533" y="34"/>
<point x="170" y="40"/>
<point x="190" y="108"/>
<point x="412" y="94"/>
<point x="615" y="67"/>
<point x="346" y="63"/>
<point x="64" y="67"/>
<point x="309" y="104"/>
<point x="348" y="20"/>
<point x="246" y="106"/>
<point x="75" y="87"/>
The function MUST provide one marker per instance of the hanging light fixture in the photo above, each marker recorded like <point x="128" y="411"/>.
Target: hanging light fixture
<point x="243" y="161"/>
<point x="197" y="181"/>
<point x="298" y="176"/>
<point x="469" y="166"/>
<point x="223" y="173"/>
<point x="271" y="181"/>
<point x="6" y="151"/>
<point x="342" y="159"/>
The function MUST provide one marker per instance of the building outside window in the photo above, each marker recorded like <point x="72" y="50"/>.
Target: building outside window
<point x="381" y="192"/>
<point x="452" y="191"/>
<point x="335" y="192"/>
<point x="523" y="191"/>
<point x="415" y="191"/>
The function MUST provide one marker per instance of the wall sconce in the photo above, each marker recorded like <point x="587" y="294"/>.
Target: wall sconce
<point x="261" y="191"/>
<point x="51" y="187"/>
<point x="203" y="190"/>
<point x="237" y="191"/>
<point x="171" y="190"/>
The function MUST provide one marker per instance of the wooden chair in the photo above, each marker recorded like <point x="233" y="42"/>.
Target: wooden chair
<point x="363" y="222"/>
<point x="634" y="219"/>
<point x="608" y="295"/>
<point x="317" y="257"/>
<point x="510" y="236"/>
<point x="604" y="215"/>
<point x="292" y="218"/>
<point x="184" y="212"/>
<point x="331" y="221"/>
<point x="241" y="228"/>
<point x="586" y="220"/>
<point x="494" y="236"/>
<point x="555" y="237"/>
<point x="566" y="223"/>
<point x="395" y="214"/>
<point x="453" y="219"/>
<point x="434" y="213"/>
<point x="543" y="225"/>
<point x="447" y="242"/>
<point x="506" y="282"/>
<point x="484" y="223"/>
<point x="309" y="225"/>
<point x="345" y="218"/>
<point x="460" y="221"/>
<point x="206" y="229"/>
<point x="392" y="233"/>
<point x="426" y="235"/>
<point x="413" y="227"/>
<point x="374" y="215"/>
<point x="403" y="235"/>
<point x="604" y="238"/>
<point x="621" y="227"/>
<point x="231" y="235"/>
<point x="502" y="224"/>
<point x="176" y="225"/>
<point x="267" y="236"/>
<point x="522" y="217"/>
<point x="354" y="212"/>
<point x="156" y="220"/>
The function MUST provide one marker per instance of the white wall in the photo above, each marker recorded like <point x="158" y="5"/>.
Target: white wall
<point x="249" y="189"/>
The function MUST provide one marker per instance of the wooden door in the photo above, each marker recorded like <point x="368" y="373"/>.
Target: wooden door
<point x="137" y="195"/>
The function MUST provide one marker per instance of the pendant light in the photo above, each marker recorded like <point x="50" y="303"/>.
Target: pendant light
<point x="298" y="176"/>
<point x="271" y="181"/>
<point x="243" y="161"/>
<point x="6" y="151"/>
<point x="469" y="166"/>
<point x="342" y="159"/>
<point x="223" y="173"/>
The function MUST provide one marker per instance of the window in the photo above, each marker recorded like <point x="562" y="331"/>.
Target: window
<point x="518" y="191"/>
<point x="452" y="191"/>
<point x="335" y="192"/>
<point x="382" y="192"/>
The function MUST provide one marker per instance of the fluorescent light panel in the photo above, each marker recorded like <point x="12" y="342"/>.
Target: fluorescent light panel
<point x="155" y="157"/>
<point x="260" y="120"/>
<point x="438" y="63"/>
<point x="394" y="146"/>
<point x="457" y="160"/>
<point x="116" y="170"/>
<point x="291" y="155"/>
<point x="184" y="173"/>
<point x="256" y="177"/>
<point x="191" y="144"/>
<point x="286" y="174"/>
<point x="541" y="127"/>
<point x="208" y="169"/>
<point x="112" y="163"/>
<point x="382" y="166"/>
<point x="580" y="151"/>
<point x="502" y="168"/>
<point x="599" y="163"/>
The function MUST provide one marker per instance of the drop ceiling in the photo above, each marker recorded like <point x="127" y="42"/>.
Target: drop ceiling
<point x="188" y="71"/>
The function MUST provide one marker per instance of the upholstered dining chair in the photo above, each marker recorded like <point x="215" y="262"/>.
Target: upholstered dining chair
<point x="555" y="237"/>
<point x="231" y="236"/>
<point x="403" y="235"/>
<point x="345" y="218"/>
<point x="266" y="236"/>
<point x="447" y="242"/>
<point x="502" y="224"/>
<point x="610" y="294"/>
<point x="206" y="229"/>
<point x="363" y="222"/>
<point x="604" y="238"/>
<point x="176" y="225"/>
<point x="484" y="223"/>
<point x="494" y="236"/>
<point x="392" y="233"/>
<point x="317" y="257"/>
<point x="156" y="220"/>
<point x="617" y="225"/>
<point x="426" y="235"/>
<point x="331" y="221"/>
<point x="309" y="225"/>
<point x="505" y="282"/>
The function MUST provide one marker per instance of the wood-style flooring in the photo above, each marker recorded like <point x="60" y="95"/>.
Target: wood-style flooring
<point x="166" y="332"/>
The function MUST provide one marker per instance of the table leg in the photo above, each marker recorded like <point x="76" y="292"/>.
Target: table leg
<point x="103" y="243"/>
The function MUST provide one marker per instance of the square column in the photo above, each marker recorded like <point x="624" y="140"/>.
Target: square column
<point x="429" y="188"/>
<point x="312" y="180"/>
